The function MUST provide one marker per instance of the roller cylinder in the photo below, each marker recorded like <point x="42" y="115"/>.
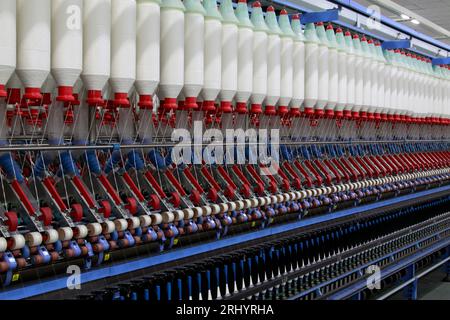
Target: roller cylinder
<point x="273" y="59"/>
<point x="212" y="54"/>
<point x="172" y="52"/>
<point x="342" y="73"/>
<point x="311" y="68"/>
<point x="333" y="79"/>
<point x="230" y="39"/>
<point x="323" y="69"/>
<point x="194" y="28"/>
<point x="245" y="56"/>
<point x="259" y="91"/>
<point x="147" y="50"/>
<point x="96" y="43"/>
<point x="7" y="43"/>
<point x="287" y="63"/>
<point x="67" y="46"/>
<point x="351" y="73"/>
<point x="123" y="49"/>
<point x="33" y="45"/>
<point x="298" y="82"/>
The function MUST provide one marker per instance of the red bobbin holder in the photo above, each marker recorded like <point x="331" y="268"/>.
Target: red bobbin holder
<point x="121" y="100"/>
<point x="94" y="98"/>
<point x="283" y="111"/>
<point x="13" y="95"/>
<point x="295" y="112"/>
<point x="241" y="108"/>
<point x="3" y="93"/>
<point x="270" y="111"/>
<point x="32" y="94"/>
<point x="169" y="104"/>
<point x="145" y="101"/>
<point x="208" y="106"/>
<point x="225" y="107"/>
<point x="329" y="113"/>
<point x="338" y="114"/>
<point x="255" y="108"/>
<point x="319" y="113"/>
<point x="65" y="94"/>
<point x="308" y="112"/>
<point x="347" y="114"/>
<point x="190" y="103"/>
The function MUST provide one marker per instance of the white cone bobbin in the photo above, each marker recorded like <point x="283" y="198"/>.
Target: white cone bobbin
<point x="108" y="227"/>
<point x="18" y="242"/>
<point x="121" y="224"/>
<point x="145" y="220"/>
<point x="156" y="219"/>
<point x="33" y="239"/>
<point x="65" y="233"/>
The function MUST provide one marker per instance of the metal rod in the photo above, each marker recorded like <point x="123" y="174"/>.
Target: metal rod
<point x="46" y="147"/>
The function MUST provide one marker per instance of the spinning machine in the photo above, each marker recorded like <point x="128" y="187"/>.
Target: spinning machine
<point x="133" y="127"/>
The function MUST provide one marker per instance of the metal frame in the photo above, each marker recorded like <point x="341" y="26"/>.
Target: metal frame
<point x="357" y="17"/>
<point x="121" y="268"/>
<point x="408" y="262"/>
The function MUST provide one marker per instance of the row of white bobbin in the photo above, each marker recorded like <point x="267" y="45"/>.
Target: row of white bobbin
<point x="177" y="215"/>
<point x="18" y="241"/>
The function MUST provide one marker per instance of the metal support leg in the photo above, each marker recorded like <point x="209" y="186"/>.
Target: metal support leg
<point x="356" y="297"/>
<point x="410" y="292"/>
<point x="447" y="265"/>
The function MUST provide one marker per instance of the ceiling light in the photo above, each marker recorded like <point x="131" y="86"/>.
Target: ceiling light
<point x="404" y="16"/>
<point x="415" y="21"/>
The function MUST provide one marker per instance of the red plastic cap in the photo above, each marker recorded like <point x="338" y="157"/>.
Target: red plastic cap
<point x="270" y="9"/>
<point x="256" y="4"/>
<point x="347" y="34"/>
<point x="32" y="94"/>
<point x="283" y="12"/>
<point x="355" y="114"/>
<point x="339" y="30"/>
<point x="296" y="17"/>
<point x="3" y="93"/>
<point x="121" y="100"/>
<point x="208" y="106"/>
<point x="75" y="101"/>
<point x="363" y="39"/>
<point x="329" y="26"/>
<point x="295" y="112"/>
<point x="241" y="108"/>
<point x="225" y="107"/>
<point x="145" y="101"/>
<point x="255" y="109"/>
<point x="319" y="24"/>
<point x="283" y="110"/>
<point x="169" y="103"/>
<point x="13" y="95"/>
<point x="65" y="94"/>
<point x="377" y="43"/>
<point x="347" y="114"/>
<point x="190" y="103"/>
<point x="308" y="111"/>
<point x="319" y="112"/>
<point x="355" y="36"/>
<point x="370" y="41"/>
<point x="242" y="1"/>
<point x="329" y="113"/>
<point x="94" y="98"/>
<point x="270" y="111"/>
<point x="46" y="98"/>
